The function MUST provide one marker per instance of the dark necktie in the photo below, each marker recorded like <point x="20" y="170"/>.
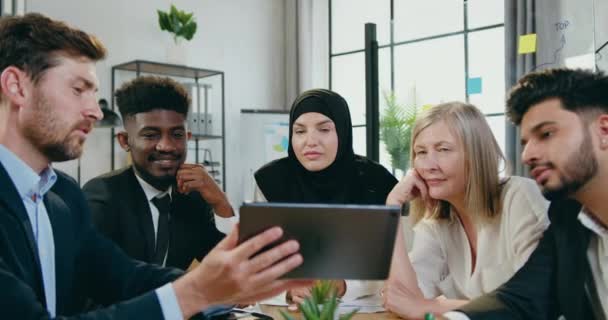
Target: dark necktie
<point x="162" y="235"/>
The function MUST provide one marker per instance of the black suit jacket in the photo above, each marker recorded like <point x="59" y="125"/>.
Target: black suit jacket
<point x="120" y="210"/>
<point x="87" y="265"/>
<point x="552" y="282"/>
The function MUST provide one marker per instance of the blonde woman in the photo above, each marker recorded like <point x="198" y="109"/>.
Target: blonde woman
<point x="472" y="229"/>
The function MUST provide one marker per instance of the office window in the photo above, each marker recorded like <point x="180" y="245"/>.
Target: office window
<point x="349" y="81"/>
<point x="486" y="61"/>
<point x="429" y="56"/>
<point x="483" y="13"/>
<point x="349" y="17"/>
<point x="433" y="70"/>
<point x="420" y="19"/>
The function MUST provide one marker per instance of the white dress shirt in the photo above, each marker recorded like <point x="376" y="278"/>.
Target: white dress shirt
<point x="169" y="304"/>
<point x="597" y="254"/>
<point x="222" y="224"/>
<point x="441" y="255"/>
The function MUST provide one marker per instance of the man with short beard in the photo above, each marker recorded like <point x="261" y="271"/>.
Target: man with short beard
<point x="52" y="260"/>
<point x="125" y="203"/>
<point x="563" y="116"/>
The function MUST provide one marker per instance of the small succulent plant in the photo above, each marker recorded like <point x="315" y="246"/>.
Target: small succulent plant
<point x="321" y="305"/>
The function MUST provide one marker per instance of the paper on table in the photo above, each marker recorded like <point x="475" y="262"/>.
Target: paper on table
<point x="278" y="300"/>
<point x="366" y="304"/>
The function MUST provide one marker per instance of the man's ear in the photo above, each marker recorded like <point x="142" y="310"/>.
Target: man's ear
<point x="602" y="131"/>
<point x="189" y="134"/>
<point x="123" y="140"/>
<point x="15" y="84"/>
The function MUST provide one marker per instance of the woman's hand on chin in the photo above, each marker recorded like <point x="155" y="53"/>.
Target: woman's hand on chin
<point x="410" y="187"/>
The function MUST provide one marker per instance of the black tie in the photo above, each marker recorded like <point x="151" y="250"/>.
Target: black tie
<point x="162" y="236"/>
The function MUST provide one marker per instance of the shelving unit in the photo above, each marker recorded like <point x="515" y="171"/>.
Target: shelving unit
<point x="204" y="131"/>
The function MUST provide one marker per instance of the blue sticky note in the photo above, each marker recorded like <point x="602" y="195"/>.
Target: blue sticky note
<point x="474" y="85"/>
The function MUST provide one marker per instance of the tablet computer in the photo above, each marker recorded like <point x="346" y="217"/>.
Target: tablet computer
<point x="336" y="241"/>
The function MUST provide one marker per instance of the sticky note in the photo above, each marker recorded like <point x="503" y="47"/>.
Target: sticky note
<point x="427" y="106"/>
<point x="527" y="43"/>
<point x="474" y="85"/>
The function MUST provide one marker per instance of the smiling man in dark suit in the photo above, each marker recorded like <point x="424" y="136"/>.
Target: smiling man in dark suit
<point x="158" y="210"/>
<point x="52" y="260"/>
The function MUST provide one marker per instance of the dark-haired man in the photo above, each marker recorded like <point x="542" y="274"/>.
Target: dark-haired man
<point x="563" y="116"/>
<point x="158" y="210"/>
<point x="51" y="258"/>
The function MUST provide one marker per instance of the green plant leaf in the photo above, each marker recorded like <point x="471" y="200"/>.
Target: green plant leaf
<point x="323" y="291"/>
<point x="286" y="316"/>
<point x="310" y="310"/>
<point x="349" y="315"/>
<point x="321" y="304"/>
<point x="175" y="25"/>
<point x="329" y="308"/>
<point x="188" y="31"/>
<point x="189" y="16"/>
<point x="184" y="18"/>
<point x="178" y="22"/>
<point x="173" y="11"/>
<point x="396" y="125"/>
<point x="163" y="21"/>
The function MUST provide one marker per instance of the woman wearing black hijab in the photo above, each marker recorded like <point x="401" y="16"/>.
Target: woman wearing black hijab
<point x="321" y="167"/>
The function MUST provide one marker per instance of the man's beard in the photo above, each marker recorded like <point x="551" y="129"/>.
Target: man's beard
<point x="160" y="183"/>
<point x="44" y="130"/>
<point x="579" y="169"/>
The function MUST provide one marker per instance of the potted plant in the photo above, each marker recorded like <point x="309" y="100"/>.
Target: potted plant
<point x="321" y="305"/>
<point x="181" y="25"/>
<point x="396" y="130"/>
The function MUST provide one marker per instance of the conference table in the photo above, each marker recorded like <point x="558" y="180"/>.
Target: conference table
<point x="274" y="312"/>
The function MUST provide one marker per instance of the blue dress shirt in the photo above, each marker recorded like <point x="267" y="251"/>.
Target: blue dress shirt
<point x="32" y="189"/>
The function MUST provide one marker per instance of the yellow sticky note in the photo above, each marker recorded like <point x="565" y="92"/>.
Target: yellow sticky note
<point x="426" y="107"/>
<point x="527" y="43"/>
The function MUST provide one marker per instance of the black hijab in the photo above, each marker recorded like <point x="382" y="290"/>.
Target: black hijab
<point x="286" y="180"/>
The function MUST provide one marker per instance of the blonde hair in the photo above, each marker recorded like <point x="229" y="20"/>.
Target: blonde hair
<point x="482" y="160"/>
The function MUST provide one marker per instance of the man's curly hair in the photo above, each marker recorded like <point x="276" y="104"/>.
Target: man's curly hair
<point x="578" y="90"/>
<point x="148" y="93"/>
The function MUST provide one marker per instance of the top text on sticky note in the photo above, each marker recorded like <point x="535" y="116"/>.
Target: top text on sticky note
<point x="527" y="43"/>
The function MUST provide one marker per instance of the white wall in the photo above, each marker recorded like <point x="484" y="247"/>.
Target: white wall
<point x="313" y="44"/>
<point x="243" y="38"/>
<point x="601" y="32"/>
<point x="307" y="47"/>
